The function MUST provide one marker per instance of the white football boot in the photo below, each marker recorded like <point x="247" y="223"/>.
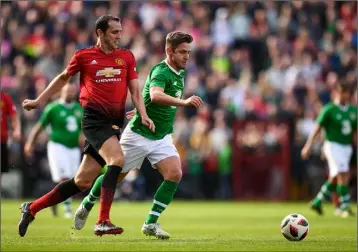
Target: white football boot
<point x="80" y="217"/>
<point x="154" y="229"/>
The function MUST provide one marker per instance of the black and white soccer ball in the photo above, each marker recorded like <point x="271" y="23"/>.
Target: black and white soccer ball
<point x="294" y="227"/>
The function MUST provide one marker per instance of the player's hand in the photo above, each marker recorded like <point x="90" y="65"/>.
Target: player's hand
<point x="130" y="114"/>
<point x="30" y="104"/>
<point x="16" y="135"/>
<point x="323" y="157"/>
<point x="305" y="153"/>
<point x="194" y="100"/>
<point x="149" y="123"/>
<point x="29" y="150"/>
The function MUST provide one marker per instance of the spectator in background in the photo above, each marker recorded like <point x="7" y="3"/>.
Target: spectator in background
<point x="240" y="21"/>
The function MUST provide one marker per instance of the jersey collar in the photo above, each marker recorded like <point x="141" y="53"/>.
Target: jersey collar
<point x="101" y="51"/>
<point x="67" y="105"/>
<point x="171" y="68"/>
<point x="343" y="107"/>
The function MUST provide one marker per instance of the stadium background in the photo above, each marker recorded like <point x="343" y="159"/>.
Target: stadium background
<point x="263" y="69"/>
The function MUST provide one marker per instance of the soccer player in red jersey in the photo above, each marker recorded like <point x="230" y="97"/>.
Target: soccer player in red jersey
<point x="106" y="72"/>
<point x="8" y="110"/>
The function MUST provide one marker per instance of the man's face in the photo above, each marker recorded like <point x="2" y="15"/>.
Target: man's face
<point x="345" y="96"/>
<point x="69" y="93"/>
<point x="180" y="55"/>
<point x="112" y="35"/>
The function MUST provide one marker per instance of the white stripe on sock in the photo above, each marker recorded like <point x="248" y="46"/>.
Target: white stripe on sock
<point x="324" y="188"/>
<point x="160" y="204"/>
<point x="90" y="201"/>
<point x="344" y="206"/>
<point x="320" y="196"/>
<point x="154" y="213"/>
<point x="93" y="196"/>
<point x="344" y="198"/>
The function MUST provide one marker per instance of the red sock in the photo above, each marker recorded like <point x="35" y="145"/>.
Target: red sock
<point x="106" y="200"/>
<point x="335" y="200"/>
<point x="50" y="199"/>
<point x="60" y="193"/>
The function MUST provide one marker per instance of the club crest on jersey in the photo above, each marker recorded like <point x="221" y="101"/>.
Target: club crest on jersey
<point x="78" y="113"/>
<point x="119" y="61"/>
<point x="108" y="72"/>
<point x="339" y="117"/>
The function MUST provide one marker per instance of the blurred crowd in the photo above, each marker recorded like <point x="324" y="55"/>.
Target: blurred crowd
<point x="251" y="60"/>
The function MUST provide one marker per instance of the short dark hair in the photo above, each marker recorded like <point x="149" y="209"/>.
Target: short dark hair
<point x="174" y="39"/>
<point x="343" y="87"/>
<point x="102" y="22"/>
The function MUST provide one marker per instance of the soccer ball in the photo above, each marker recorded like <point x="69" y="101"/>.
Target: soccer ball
<point x="294" y="227"/>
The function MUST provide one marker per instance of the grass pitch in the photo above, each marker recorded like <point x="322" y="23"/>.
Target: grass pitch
<point x="194" y="226"/>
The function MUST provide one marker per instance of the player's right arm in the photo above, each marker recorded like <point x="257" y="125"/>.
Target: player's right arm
<point x="307" y="147"/>
<point x="55" y="85"/>
<point x="36" y="130"/>
<point x="158" y="96"/>
<point x="322" y="120"/>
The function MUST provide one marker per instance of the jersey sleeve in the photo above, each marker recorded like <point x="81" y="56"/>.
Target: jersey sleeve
<point x="73" y="67"/>
<point x="323" y="116"/>
<point x="132" y="70"/>
<point x="10" y="106"/>
<point x="157" y="79"/>
<point x="46" y="116"/>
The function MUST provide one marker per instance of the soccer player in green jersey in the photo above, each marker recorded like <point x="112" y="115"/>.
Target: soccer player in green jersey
<point x="63" y="117"/>
<point x="162" y="95"/>
<point x="339" y="120"/>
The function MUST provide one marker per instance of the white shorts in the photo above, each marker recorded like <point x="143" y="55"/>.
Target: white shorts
<point x="63" y="161"/>
<point x="338" y="157"/>
<point x="136" y="147"/>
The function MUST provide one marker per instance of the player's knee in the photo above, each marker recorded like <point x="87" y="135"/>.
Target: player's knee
<point x="83" y="184"/>
<point x="342" y="178"/>
<point x="332" y="180"/>
<point x="175" y="175"/>
<point x="118" y="160"/>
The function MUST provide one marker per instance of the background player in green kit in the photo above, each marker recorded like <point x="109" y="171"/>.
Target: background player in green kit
<point x="339" y="120"/>
<point x="63" y="117"/>
<point x="162" y="95"/>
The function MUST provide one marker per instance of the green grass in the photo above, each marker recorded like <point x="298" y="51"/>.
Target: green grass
<point x="194" y="226"/>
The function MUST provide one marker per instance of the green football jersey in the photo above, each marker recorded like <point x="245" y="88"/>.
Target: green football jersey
<point x="339" y="122"/>
<point x="64" y="121"/>
<point x="172" y="81"/>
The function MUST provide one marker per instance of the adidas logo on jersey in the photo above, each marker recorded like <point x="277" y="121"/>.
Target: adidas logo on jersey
<point x="93" y="62"/>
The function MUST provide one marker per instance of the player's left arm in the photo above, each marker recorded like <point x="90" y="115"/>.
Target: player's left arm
<point x="137" y="99"/>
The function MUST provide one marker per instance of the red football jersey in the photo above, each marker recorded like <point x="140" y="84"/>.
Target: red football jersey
<point x="8" y="109"/>
<point x="104" y="79"/>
